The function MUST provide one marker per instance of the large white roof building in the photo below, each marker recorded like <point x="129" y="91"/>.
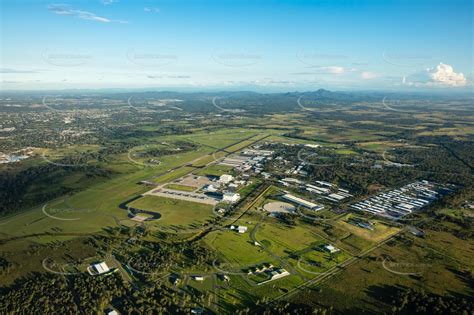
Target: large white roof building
<point x="230" y="197"/>
<point x="98" y="269"/>
<point x="302" y="202"/>
<point x="226" y="178"/>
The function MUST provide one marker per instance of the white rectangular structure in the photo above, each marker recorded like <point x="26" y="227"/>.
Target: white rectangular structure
<point x="302" y="202"/>
<point x="242" y="229"/>
<point x="98" y="269"/>
<point x="230" y="197"/>
<point x="331" y="249"/>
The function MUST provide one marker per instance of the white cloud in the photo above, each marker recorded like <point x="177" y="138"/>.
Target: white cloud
<point x="107" y="2"/>
<point x="367" y="75"/>
<point x="331" y="70"/>
<point x="61" y="9"/>
<point x="443" y="75"/>
<point x="152" y="10"/>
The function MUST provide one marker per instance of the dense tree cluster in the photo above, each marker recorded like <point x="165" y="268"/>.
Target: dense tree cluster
<point x="54" y="294"/>
<point x="5" y="265"/>
<point x="85" y="294"/>
<point x="409" y="301"/>
<point x="162" y="257"/>
<point x="287" y="308"/>
<point x="15" y="185"/>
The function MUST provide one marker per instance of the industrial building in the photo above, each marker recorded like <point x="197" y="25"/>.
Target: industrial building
<point x="299" y="201"/>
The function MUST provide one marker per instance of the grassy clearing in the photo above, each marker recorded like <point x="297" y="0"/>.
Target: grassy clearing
<point x="316" y="260"/>
<point x="222" y="138"/>
<point x="174" y="212"/>
<point x="215" y="170"/>
<point x="169" y="176"/>
<point x="379" y="146"/>
<point x="380" y="232"/>
<point x="240" y="145"/>
<point x="284" y="240"/>
<point x="25" y="260"/>
<point x="277" y="287"/>
<point x="345" y="152"/>
<point x="282" y="139"/>
<point x="264" y="198"/>
<point x="205" y="160"/>
<point x="180" y="187"/>
<point x="53" y="154"/>
<point x="244" y="191"/>
<point x="367" y="285"/>
<point x="236" y="249"/>
<point x="100" y="202"/>
<point x="201" y="286"/>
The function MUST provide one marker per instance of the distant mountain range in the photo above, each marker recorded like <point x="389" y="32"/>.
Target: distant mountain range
<point x="235" y="101"/>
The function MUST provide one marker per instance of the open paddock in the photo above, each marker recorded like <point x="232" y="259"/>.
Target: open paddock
<point x="178" y="213"/>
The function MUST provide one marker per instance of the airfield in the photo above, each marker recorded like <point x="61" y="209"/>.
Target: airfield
<point x="173" y="189"/>
<point x="168" y="201"/>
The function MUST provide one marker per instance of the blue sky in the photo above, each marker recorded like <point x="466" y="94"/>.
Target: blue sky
<point x="256" y="45"/>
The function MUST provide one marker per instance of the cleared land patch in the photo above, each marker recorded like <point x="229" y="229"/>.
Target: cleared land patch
<point x="380" y="230"/>
<point x="215" y="170"/>
<point x="278" y="206"/>
<point x="180" y="187"/>
<point x="177" y="213"/>
<point x="284" y="240"/>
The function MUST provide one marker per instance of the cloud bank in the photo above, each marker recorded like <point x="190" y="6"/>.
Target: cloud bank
<point x="443" y="75"/>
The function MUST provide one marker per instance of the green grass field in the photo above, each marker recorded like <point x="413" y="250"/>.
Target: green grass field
<point x="98" y="204"/>
<point x="366" y="284"/>
<point x="215" y="170"/>
<point x="284" y="240"/>
<point x="317" y="261"/>
<point x="180" y="187"/>
<point x="175" y="213"/>
<point x="222" y="138"/>
<point x="379" y="233"/>
<point x="237" y="249"/>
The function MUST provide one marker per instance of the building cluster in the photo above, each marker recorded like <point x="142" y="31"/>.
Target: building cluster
<point x="272" y="272"/>
<point x="246" y="162"/>
<point x="225" y="188"/>
<point x="328" y="191"/>
<point x="205" y="189"/>
<point x="250" y="160"/>
<point x="297" y="170"/>
<point x="276" y="274"/>
<point x="239" y="228"/>
<point x="400" y="202"/>
<point x="320" y="189"/>
<point x="288" y="181"/>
